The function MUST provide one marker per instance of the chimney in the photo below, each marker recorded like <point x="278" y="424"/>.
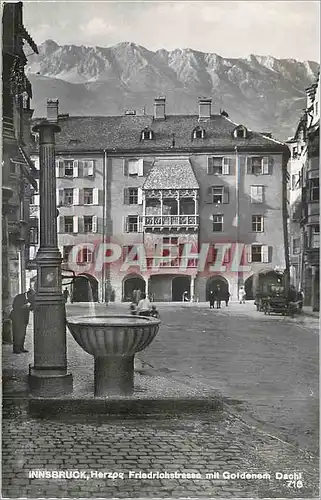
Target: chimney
<point x="204" y="108"/>
<point x="159" y="108"/>
<point x="52" y="110"/>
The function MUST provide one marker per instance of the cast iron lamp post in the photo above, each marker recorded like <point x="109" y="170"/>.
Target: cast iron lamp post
<point x="48" y="377"/>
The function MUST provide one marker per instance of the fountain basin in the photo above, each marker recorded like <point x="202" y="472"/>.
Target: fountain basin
<point x="113" y="341"/>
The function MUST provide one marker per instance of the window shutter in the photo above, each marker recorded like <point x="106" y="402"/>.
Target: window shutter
<point x="36" y="199"/>
<point x="95" y="196"/>
<point x="126" y="196"/>
<point x="265" y="165"/>
<point x="75" y="224"/>
<point x="210" y="166"/>
<point x="226" y="166"/>
<point x="260" y="193"/>
<point x="75" y="168"/>
<point x="61" y="164"/>
<point x="249" y="164"/>
<point x="227" y="256"/>
<point x="140" y="167"/>
<point x="60" y="197"/>
<point x="139" y="224"/>
<point x="209" y="195"/>
<point x="248" y="249"/>
<point x="60" y="224"/>
<point x="81" y="196"/>
<point x="75" y="193"/>
<point x="265" y="253"/>
<point x="81" y="225"/>
<point x="140" y="196"/>
<point x="125" y="224"/>
<point x="95" y="224"/>
<point x="225" y="194"/>
<point x="125" y="167"/>
<point x="57" y="169"/>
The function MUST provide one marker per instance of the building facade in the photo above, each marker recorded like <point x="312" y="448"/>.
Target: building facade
<point x="17" y="169"/>
<point x="172" y="205"/>
<point x="311" y="200"/>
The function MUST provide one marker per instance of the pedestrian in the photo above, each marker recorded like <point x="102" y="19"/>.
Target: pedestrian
<point x="185" y="296"/>
<point x="144" y="306"/>
<point x="20" y="318"/>
<point x="218" y="298"/>
<point x="227" y="298"/>
<point x="242" y="295"/>
<point x="300" y="298"/>
<point x="154" y="312"/>
<point x="212" y="298"/>
<point x="66" y="295"/>
<point x="133" y="309"/>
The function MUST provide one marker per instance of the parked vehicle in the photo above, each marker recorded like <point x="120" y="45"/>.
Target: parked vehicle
<point x="266" y="285"/>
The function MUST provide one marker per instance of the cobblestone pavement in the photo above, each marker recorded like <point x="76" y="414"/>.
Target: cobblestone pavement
<point x="269" y="365"/>
<point x="213" y="444"/>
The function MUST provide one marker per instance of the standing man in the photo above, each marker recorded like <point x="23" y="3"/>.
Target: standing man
<point x="211" y="298"/>
<point x="242" y="295"/>
<point x="20" y="318"/>
<point x="66" y="295"/>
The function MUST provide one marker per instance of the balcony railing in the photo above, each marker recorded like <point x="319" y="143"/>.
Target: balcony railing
<point x="170" y="220"/>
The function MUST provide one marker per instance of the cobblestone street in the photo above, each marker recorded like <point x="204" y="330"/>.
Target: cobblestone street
<point x="266" y="369"/>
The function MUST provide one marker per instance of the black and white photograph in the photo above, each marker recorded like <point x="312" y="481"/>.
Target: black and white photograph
<point x="160" y="249"/>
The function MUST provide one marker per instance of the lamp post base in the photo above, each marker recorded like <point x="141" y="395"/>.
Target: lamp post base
<point x="44" y="385"/>
<point x="114" y="376"/>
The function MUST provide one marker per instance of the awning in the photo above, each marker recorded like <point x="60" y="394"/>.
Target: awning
<point x="21" y="158"/>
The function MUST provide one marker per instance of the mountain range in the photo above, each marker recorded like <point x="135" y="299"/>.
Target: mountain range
<point x="262" y="92"/>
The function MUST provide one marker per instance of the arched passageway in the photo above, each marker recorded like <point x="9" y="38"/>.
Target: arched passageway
<point x="180" y="284"/>
<point x="85" y="289"/>
<point x="131" y="283"/>
<point x="215" y="284"/>
<point x="248" y="286"/>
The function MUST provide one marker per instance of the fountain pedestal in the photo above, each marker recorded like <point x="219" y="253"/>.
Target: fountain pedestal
<point x="113" y="341"/>
<point x="114" y="375"/>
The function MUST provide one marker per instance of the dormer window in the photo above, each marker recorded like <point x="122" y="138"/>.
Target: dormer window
<point x="240" y="132"/>
<point x="147" y="135"/>
<point x="198" y="133"/>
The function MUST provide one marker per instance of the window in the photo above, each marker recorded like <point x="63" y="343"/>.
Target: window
<point x="315" y="236"/>
<point x="218" y="165"/>
<point x="88" y="224"/>
<point x="66" y="252"/>
<point x="68" y="168"/>
<point x="68" y="197"/>
<point x="257" y="194"/>
<point x="217" y="223"/>
<point x="147" y="135"/>
<point x="240" y="132"/>
<point x="33" y="236"/>
<point x="257" y="165"/>
<point x="296" y="246"/>
<point x="133" y="196"/>
<point x="132" y="222"/>
<point x="256" y="253"/>
<point x="314" y="189"/>
<point x="88" y="196"/>
<point x="85" y="256"/>
<point x="219" y="194"/>
<point x="294" y="152"/>
<point x="133" y="167"/>
<point x="88" y="168"/>
<point x="257" y="223"/>
<point x="68" y="224"/>
<point x="198" y="133"/>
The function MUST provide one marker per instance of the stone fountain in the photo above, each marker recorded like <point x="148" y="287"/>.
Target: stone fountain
<point x="113" y="341"/>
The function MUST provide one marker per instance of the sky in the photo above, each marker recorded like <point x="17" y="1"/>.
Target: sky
<point x="282" y="29"/>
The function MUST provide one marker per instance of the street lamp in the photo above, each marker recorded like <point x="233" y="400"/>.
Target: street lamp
<point x="48" y="376"/>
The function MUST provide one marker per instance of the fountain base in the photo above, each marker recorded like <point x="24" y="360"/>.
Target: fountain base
<point x="114" y="375"/>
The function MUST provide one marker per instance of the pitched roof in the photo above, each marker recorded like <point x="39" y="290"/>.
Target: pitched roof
<point x="171" y="174"/>
<point x="123" y="133"/>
